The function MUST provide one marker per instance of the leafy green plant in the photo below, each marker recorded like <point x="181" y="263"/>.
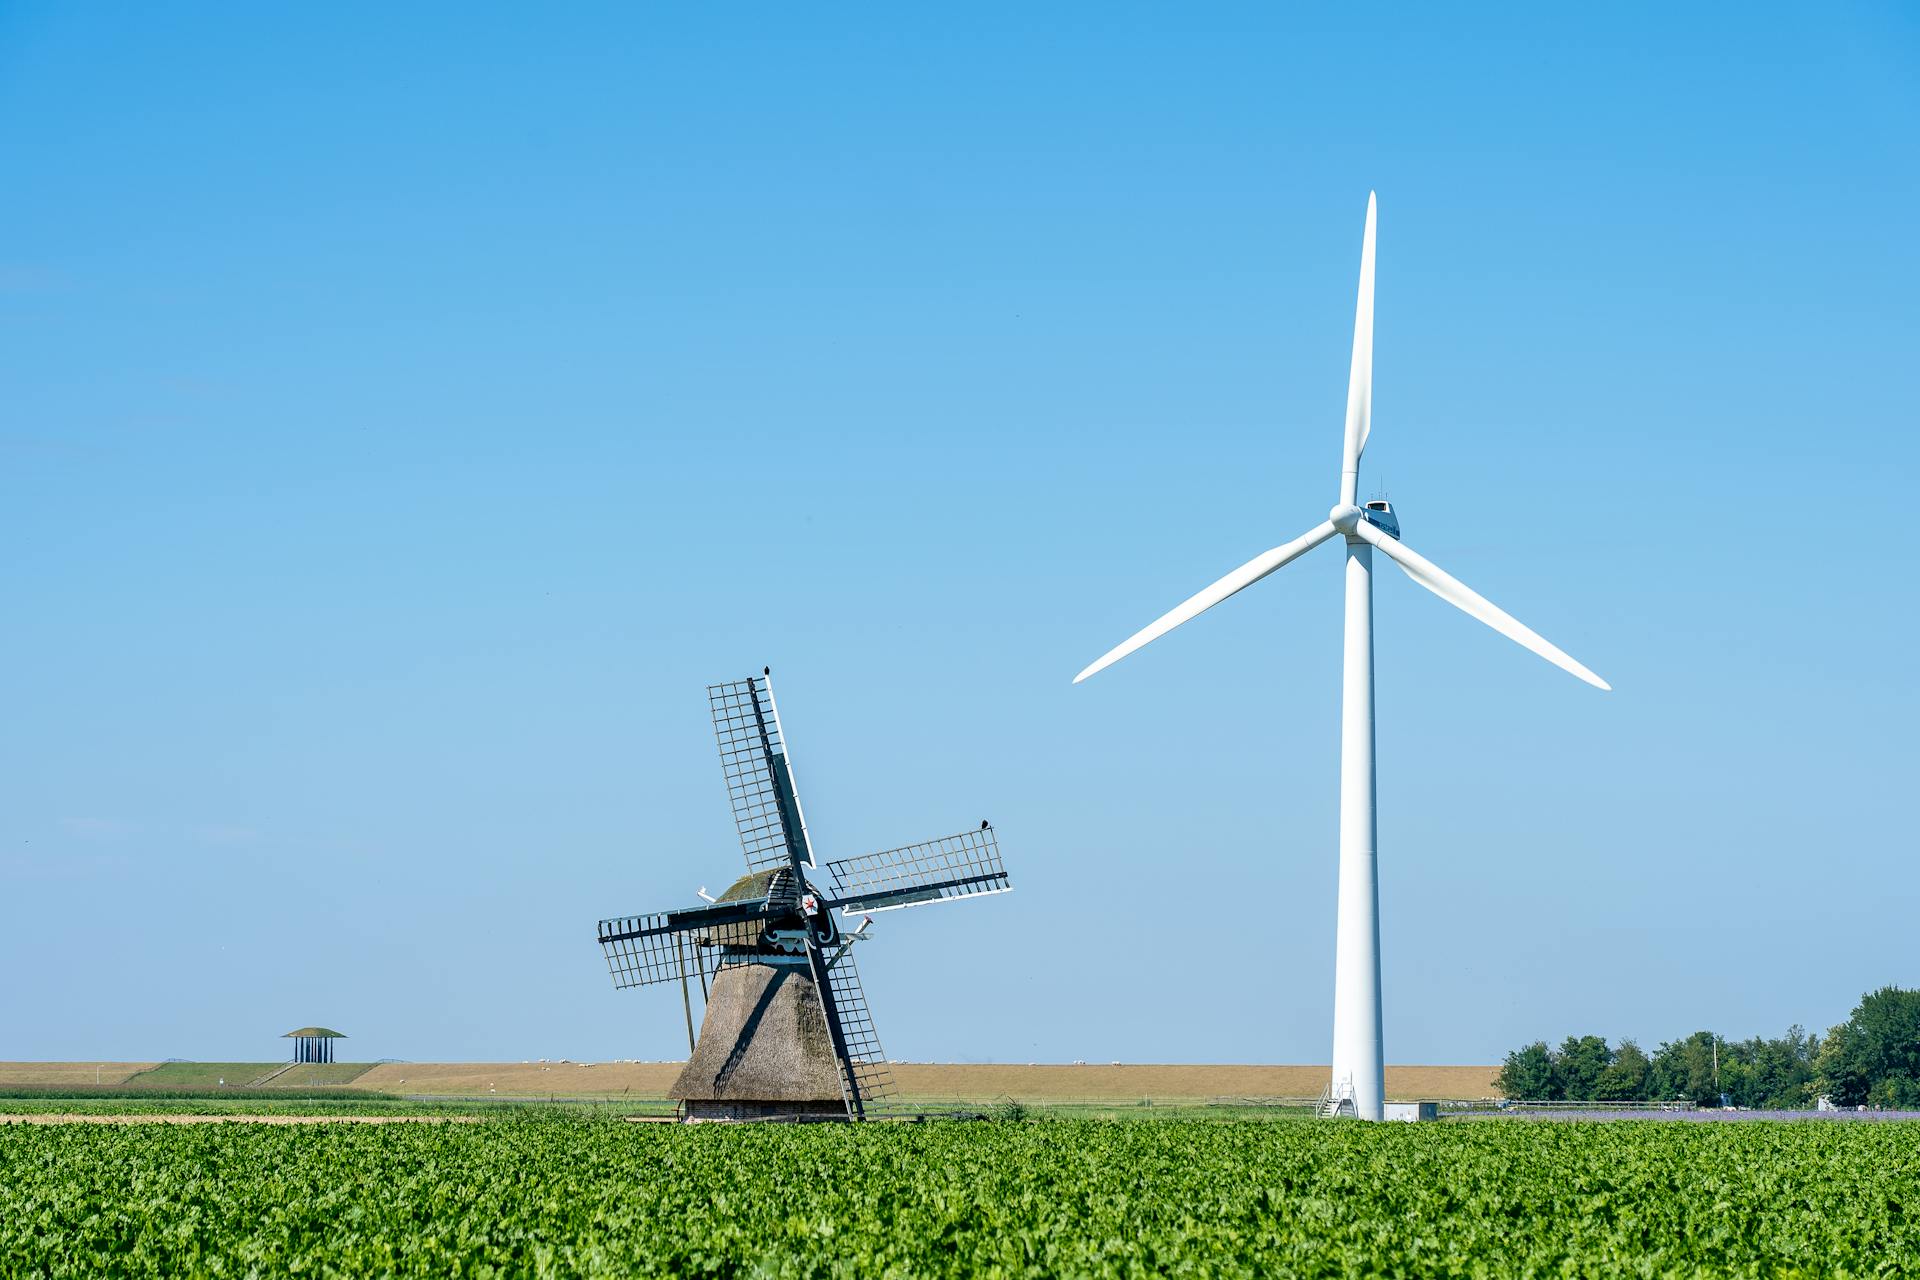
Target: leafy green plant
<point x="540" y="1192"/>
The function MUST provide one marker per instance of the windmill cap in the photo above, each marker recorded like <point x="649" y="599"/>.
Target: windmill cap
<point x="756" y="885"/>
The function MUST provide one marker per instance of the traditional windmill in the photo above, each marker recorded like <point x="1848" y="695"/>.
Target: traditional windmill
<point x="786" y="1031"/>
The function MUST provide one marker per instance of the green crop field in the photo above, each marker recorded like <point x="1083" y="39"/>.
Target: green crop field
<point x="545" y="1193"/>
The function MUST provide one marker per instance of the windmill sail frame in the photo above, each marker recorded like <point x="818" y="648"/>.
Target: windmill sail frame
<point x="776" y="915"/>
<point x="956" y="866"/>
<point x="753" y="758"/>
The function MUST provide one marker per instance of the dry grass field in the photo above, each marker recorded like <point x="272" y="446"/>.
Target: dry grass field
<point x="917" y="1081"/>
<point x="1133" y="1081"/>
<point x="940" y="1082"/>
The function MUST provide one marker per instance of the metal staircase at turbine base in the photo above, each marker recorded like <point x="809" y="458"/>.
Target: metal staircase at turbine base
<point x="1336" y="1102"/>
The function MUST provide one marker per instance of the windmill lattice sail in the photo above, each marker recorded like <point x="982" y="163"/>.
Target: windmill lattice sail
<point x="643" y="950"/>
<point x="666" y="946"/>
<point x="864" y="1074"/>
<point x="958" y="866"/>
<point x="766" y="809"/>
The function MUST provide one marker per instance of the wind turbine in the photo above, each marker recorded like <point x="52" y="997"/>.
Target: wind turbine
<point x="1358" y="1058"/>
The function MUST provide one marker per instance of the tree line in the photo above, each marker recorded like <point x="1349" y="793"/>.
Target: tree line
<point x="1872" y="1059"/>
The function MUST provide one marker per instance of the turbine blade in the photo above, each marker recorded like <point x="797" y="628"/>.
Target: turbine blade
<point x="1239" y="580"/>
<point x="1468" y="601"/>
<point x="1360" y="375"/>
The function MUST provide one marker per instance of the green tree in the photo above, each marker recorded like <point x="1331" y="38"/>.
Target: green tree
<point x="1528" y="1074"/>
<point x="1872" y="1059"/>
<point x="1579" y="1065"/>
<point x="1684" y="1069"/>
<point x="1627" y="1077"/>
<point x="1840" y="1072"/>
<point x="1740" y="1078"/>
<point x="1770" y="1073"/>
<point x="1895" y="1093"/>
<point x="1874" y="1056"/>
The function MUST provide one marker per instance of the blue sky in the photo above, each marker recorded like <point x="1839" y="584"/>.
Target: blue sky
<point x="404" y="415"/>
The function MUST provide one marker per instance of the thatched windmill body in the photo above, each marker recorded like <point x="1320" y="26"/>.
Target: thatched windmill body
<point x="786" y="1031"/>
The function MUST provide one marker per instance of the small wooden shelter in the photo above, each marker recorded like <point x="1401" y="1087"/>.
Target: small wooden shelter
<point x="313" y="1044"/>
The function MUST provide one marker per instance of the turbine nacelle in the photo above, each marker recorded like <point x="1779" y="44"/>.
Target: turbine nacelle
<point x="1379" y="514"/>
<point x="1346" y="518"/>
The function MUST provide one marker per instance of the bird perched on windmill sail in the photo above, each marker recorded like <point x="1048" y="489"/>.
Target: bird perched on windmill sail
<point x="1357" y="1084"/>
<point x="786" y="1031"/>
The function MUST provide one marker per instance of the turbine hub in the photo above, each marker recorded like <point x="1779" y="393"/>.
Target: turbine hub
<point x="1345" y="517"/>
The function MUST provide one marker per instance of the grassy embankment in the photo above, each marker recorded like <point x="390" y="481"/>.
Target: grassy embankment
<point x="213" y="1088"/>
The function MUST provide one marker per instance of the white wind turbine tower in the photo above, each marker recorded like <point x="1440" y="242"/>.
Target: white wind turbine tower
<point x="1358" y="1058"/>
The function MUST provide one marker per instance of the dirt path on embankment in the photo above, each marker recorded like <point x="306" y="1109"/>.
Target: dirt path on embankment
<point x="72" y="1117"/>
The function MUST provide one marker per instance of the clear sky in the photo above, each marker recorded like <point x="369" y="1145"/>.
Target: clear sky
<point x="405" y="411"/>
